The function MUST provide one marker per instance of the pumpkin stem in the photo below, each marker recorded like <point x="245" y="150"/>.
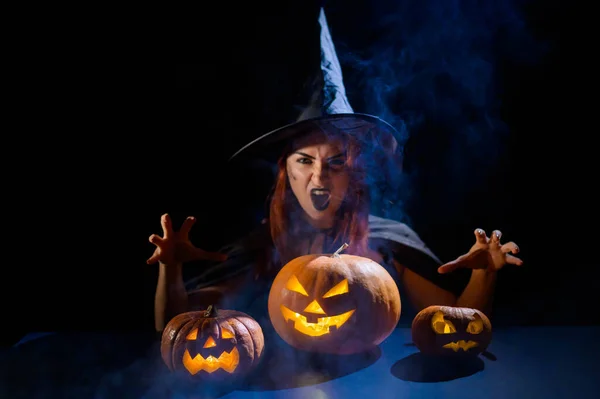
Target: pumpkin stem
<point x="336" y="254"/>
<point x="211" y="311"/>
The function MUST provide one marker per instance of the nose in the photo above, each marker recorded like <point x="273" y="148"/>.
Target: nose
<point x="314" y="307"/>
<point x="210" y="342"/>
<point x="319" y="174"/>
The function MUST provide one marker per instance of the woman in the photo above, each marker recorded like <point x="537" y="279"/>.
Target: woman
<point x="320" y="201"/>
<point x="328" y="162"/>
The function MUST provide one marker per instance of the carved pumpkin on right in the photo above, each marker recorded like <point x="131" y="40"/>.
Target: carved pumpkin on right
<point x="451" y="331"/>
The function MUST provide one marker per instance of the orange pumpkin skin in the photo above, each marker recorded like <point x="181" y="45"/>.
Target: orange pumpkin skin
<point x="371" y="295"/>
<point x="451" y="331"/>
<point x="210" y="333"/>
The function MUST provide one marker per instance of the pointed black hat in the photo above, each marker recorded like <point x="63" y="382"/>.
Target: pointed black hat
<point x="328" y="109"/>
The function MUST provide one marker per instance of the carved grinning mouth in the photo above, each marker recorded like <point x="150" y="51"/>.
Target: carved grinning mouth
<point x="321" y="327"/>
<point x="462" y="344"/>
<point x="227" y="361"/>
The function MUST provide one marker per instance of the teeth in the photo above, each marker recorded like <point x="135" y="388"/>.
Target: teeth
<point x="320" y="192"/>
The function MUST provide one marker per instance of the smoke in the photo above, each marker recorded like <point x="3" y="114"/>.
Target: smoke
<point x="434" y="70"/>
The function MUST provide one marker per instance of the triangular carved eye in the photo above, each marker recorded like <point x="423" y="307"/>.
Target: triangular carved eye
<point x="193" y="335"/>
<point x="338" y="289"/>
<point x="226" y="334"/>
<point x="294" y="285"/>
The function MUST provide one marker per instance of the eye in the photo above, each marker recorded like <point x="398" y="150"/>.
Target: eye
<point x="336" y="163"/>
<point x="304" y="161"/>
<point x="444" y="327"/>
<point x="226" y="334"/>
<point x="193" y="335"/>
<point x="294" y="285"/>
<point x="475" y="326"/>
<point x="441" y="326"/>
<point x="339" y="289"/>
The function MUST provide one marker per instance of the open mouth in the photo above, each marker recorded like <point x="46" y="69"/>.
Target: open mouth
<point x="321" y="327"/>
<point x="228" y="361"/>
<point x="320" y="198"/>
<point x="464" y="345"/>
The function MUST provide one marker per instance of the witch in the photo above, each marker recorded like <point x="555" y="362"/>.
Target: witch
<point x="328" y="163"/>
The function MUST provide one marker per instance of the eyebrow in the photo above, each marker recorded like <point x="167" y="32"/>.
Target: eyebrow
<point x="341" y="154"/>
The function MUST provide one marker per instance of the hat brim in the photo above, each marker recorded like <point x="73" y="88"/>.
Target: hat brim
<point x="270" y="145"/>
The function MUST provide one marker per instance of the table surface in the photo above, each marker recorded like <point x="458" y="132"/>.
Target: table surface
<point x="521" y="362"/>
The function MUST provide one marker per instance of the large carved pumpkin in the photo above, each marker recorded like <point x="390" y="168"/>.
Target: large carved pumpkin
<point x="212" y="346"/>
<point x="339" y="304"/>
<point x="445" y="330"/>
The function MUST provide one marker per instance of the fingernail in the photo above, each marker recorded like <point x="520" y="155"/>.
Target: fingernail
<point x="497" y="234"/>
<point x="479" y="231"/>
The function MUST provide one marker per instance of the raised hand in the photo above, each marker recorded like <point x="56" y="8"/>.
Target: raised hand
<point x="486" y="253"/>
<point x="176" y="247"/>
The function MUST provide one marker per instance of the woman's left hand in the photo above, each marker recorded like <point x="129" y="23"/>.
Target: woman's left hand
<point x="487" y="253"/>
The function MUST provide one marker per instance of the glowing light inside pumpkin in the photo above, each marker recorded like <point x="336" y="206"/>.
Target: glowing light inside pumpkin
<point x="321" y="327"/>
<point x="464" y="345"/>
<point x="210" y="343"/>
<point x="441" y="326"/>
<point x="314" y="307"/>
<point x="193" y="335"/>
<point x="339" y="289"/>
<point x="226" y="334"/>
<point x="475" y="326"/>
<point x="294" y="285"/>
<point x="228" y="361"/>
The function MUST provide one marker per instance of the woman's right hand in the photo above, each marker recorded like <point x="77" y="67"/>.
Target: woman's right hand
<point x="176" y="247"/>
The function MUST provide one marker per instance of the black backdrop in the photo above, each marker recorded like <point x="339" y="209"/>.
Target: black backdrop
<point x="98" y="195"/>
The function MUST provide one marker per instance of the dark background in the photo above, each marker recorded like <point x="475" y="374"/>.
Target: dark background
<point x="137" y="152"/>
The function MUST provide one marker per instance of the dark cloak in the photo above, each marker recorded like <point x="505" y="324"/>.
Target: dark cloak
<point x="392" y="239"/>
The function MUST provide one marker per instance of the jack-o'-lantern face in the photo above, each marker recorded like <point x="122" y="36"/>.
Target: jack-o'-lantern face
<point x="313" y="320"/>
<point x="340" y="304"/>
<point x="449" y="330"/>
<point x="211" y="346"/>
<point x="210" y="350"/>
<point x="443" y="326"/>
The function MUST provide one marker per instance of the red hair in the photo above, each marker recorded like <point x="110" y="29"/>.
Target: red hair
<point x="351" y="224"/>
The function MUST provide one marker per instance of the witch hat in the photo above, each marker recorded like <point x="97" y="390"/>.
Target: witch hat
<point x="328" y="109"/>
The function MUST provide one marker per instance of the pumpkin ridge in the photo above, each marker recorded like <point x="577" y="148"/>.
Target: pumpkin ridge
<point x="255" y="347"/>
<point x="207" y="323"/>
<point x="180" y="325"/>
<point x="248" y="333"/>
<point x="381" y="322"/>
<point x="258" y="349"/>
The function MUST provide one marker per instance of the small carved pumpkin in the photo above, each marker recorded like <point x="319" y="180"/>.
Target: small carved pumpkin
<point x="210" y="345"/>
<point x="446" y="330"/>
<point x="339" y="304"/>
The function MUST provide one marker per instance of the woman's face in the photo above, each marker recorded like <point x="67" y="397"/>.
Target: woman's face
<point x="318" y="174"/>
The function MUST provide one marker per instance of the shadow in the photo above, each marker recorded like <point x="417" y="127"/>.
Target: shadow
<point x="285" y="367"/>
<point x="489" y="356"/>
<point x="92" y="365"/>
<point x="420" y="368"/>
